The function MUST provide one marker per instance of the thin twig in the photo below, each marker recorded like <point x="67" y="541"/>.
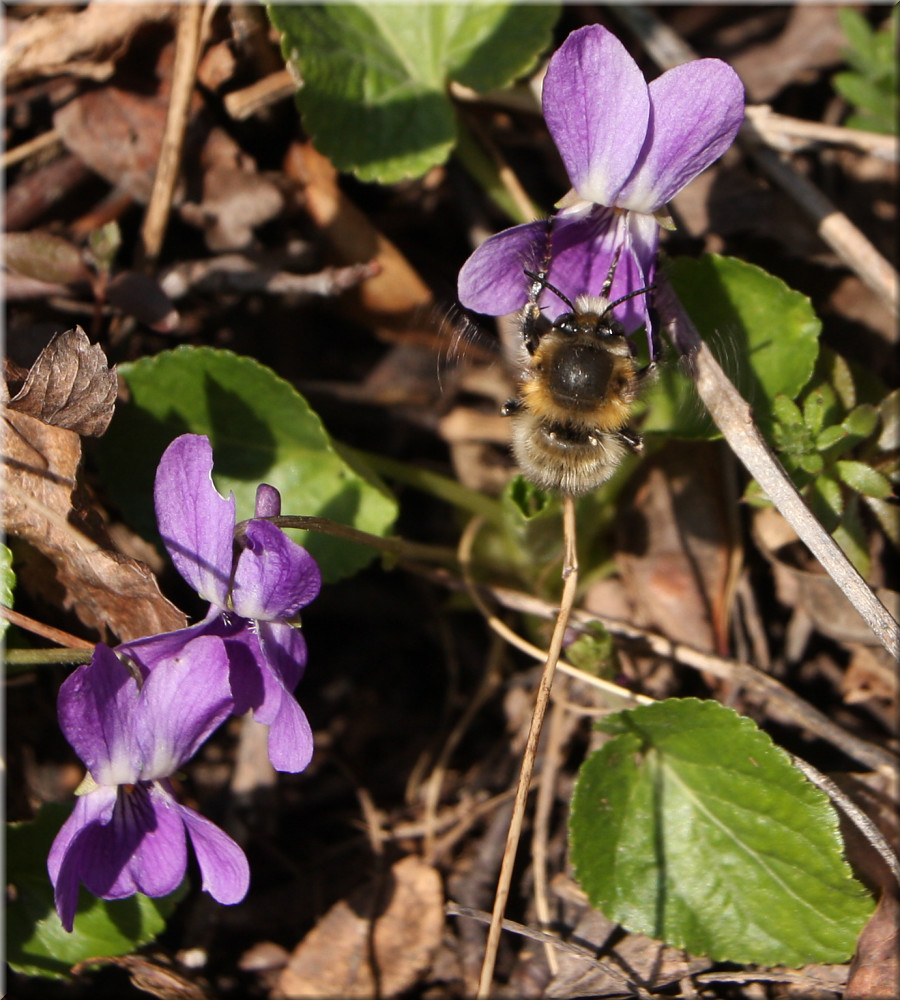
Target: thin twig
<point x="44" y="631"/>
<point x="187" y="52"/>
<point x="860" y="820"/>
<point x="589" y="956"/>
<point x="733" y="671"/>
<point x="543" y="809"/>
<point x="570" y="574"/>
<point x="45" y="140"/>
<point x="513" y="638"/>
<point x="395" y="546"/>
<point x="244" y="103"/>
<point x="790" y="135"/>
<point x="734" y="418"/>
<point x="834" y="228"/>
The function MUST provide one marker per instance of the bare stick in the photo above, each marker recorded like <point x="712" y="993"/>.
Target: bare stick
<point x="570" y="575"/>
<point x="734" y="418"/>
<point x="45" y="631"/>
<point x="860" y="820"/>
<point x="187" y="51"/>
<point x="241" y="104"/>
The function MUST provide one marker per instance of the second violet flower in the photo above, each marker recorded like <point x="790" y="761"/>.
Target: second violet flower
<point x="255" y="588"/>
<point x="628" y="147"/>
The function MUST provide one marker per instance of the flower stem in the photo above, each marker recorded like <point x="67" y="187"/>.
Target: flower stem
<point x="570" y="585"/>
<point x="395" y="546"/>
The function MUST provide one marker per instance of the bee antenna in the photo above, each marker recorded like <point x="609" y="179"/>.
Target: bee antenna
<point x="625" y="298"/>
<point x="541" y="279"/>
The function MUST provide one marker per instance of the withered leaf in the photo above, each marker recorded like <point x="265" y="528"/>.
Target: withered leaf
<point x="875" y="970"/>
<point x="398" y="926"/>
<point x="70" y="386"/>
<point x="45" y="257"/>
<point x="41" y="506"/>
<point x="118" y="134"/>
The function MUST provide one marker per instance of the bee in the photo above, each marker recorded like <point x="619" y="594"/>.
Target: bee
<point x="576" y="390"/>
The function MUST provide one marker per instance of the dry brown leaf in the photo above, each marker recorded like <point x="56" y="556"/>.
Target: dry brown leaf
<point x="678" y="544"/>
<point x="70" y="386"/>
<point x="152" y="975"/>
<point x="636" y="959"/>
<point x="118" y="134"/>
<point x="104" y="588"/>
<point x="398" y="923"/>
<point x="44" y="256"/>
<point x="875" y="970"/>
<point x="50" y="42"/>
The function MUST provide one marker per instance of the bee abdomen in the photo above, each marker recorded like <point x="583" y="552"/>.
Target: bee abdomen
<point x="565" y="457"/>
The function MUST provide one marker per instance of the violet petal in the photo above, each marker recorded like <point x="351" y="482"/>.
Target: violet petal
<point x="96" y="707"/>
<point x="275" y="576"/>
<point x="183" y="701"/>
<point x="157" y="866"/>
<point x="195" y="522"/>
<point x="223" y="865"/>
<point x="290" y="737"/>
<point x="493" y="281"/>
<point x="64" y="859"/>
<point x="268" y="501"/>
<point x="597" y="108"/>
<point x="284" y="650"/>
<point x="696" y="111"/>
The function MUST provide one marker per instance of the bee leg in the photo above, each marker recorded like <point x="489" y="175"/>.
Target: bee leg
<point x="511" y="406"/>
<point x="530" y="318"/>
<point x="634" y="440"/>
<point x="531" y="314"/>
<point x="653" y="332"/>
<point x="648" y="373"/>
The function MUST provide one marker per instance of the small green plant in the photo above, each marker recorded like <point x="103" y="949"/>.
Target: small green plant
<point x="871" y="83"/>
<point x="841" y="453"/>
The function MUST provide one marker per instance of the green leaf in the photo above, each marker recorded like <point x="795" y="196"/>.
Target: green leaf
<point x="768" y="335"/>
<point x="7" y="584"/>
<point x="811" y="462"/>
<point x="691" y="826"/>
<point x="889" y="411"/>
<point x="814" y="407"/>
<point x="888" y="515"/>
<point x="36" y="943"/>
<point x="866" y="94"/>
<point x="830" y="437"/>
<point x="594" y="651"/>
<point x="864" y="479"/>
<point x="850" y="534"/>
<point x="786" y="411"/>
<point x="261" y="429"/>
<point x="859" y="35"/>
<point x="833" y="369"/>
<point x="861" y="422"/>
<point x="375" y="76"/>
<point x="826" y="501"/>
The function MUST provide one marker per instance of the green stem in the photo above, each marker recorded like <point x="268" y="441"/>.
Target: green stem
<point x="24" y="659"/>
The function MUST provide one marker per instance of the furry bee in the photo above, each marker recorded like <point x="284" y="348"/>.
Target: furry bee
<point x="576" y="390"/>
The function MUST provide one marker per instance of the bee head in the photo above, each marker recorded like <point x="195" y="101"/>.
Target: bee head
<point x="589" y="322"/>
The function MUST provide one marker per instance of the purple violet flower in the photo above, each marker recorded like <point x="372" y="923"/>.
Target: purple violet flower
<point x="628" y="149"/>
<point x="252" y="596"/>
<point x="126" y="833"/>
